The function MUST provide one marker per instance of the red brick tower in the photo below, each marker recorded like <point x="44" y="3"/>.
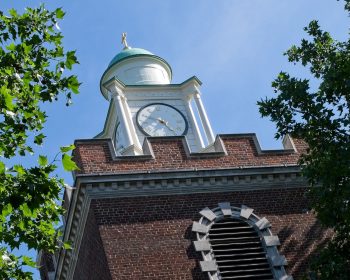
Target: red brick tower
<point x="158" y="196"/>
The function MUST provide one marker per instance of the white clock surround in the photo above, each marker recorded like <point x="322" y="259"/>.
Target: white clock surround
<point x="126" y="100"/>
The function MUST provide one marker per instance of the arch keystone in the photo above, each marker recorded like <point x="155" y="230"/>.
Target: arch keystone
<point x="207" y="213"/>
<point x="225" y="208"/>
<point x="246" y="212"/>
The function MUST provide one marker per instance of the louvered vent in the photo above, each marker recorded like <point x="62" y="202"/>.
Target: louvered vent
<point x="238" y="251"/>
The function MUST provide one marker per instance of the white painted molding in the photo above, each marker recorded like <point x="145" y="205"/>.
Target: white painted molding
<point x="124" y="121"/>
<point x="194" y="125"/>
<point x="131" y="125"/>
<point x="204" y="119"/>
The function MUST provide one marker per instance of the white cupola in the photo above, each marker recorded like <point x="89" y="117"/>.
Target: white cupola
<point x="144" y="103"/>
<point x="135" y="66"/>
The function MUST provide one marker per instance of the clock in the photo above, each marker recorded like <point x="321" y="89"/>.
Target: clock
<point x="159" y="119"/>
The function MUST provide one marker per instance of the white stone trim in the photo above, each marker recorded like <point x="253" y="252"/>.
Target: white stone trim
<point x="246" y="212"/>
<point x="206" y="212"/>
<point x="194" y="125"/>
<point x="208" y="266"/>
<point x="204" y="119"/>
<point x="225" y="208"/>
<point x="202" y="245"/>
<point x="261" y="225"/>
<point x="131" y="124"/>
<point x="123" y="119"/>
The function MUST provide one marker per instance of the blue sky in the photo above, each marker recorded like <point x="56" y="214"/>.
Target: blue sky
<point x="234" y="47"/>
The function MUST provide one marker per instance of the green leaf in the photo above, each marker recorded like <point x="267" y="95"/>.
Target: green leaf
<point x="71" y="59"/>
<point x="13" y="12"/>
<point x="28" y="261"/>
<point x="21" y="225"/>
<point x="73" y="84"/>
<point x="66" y="149"/>
<point x="11" y="47"/>
<point x="39" y="139"/>
<point x="26" y="210"/>
<point x="42" y="160"/>
<point x="67" y="246"/>
<point x="6" y="210"/>
<point x="26" y="48"/>
<point x="68" y="164"/>
<point x="2" y="167"/>
<point x="7" y="97"/>
<point x="19" y="169"/>
<point x="30" y="150"/>
<point x="59" y="13"/>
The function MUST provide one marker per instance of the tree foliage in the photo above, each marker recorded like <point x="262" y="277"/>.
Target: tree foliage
<point x="32" y="65"/>
<point x="321" y="118"/>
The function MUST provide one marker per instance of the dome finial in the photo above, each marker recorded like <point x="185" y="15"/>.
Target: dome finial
<point x="124" y="42"/>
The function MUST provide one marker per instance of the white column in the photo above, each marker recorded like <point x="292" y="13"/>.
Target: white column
<point x="131" y="124"/>
<point x="194" y="125"/>
<point x="123" y="120"/>
<point x="204" y="119"/>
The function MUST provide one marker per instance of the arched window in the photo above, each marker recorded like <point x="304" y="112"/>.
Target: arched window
<point x="237" y="244"/>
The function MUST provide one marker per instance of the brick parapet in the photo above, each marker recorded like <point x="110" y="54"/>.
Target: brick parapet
<point x="170" y="153"/>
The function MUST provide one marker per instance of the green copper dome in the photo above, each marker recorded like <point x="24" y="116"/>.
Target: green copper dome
<point x="127" y="52"/>
<point x="136" y="66"/>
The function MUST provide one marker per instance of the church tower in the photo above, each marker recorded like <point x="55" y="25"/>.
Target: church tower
<point x="159" y="196"/>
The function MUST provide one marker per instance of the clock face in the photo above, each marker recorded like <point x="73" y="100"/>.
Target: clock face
<point x="158" y="119"/>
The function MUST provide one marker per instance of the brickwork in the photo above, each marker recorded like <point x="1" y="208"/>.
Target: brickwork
<point x="92" y="262"/>
<point x="95" y="157"/>
<point x="151" y="237"/>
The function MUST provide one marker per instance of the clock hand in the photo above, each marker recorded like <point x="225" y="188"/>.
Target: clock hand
<point x="170" y="128"/>
<point x="153" y="118"/>
<point x="160" y="120"/>
<point x="165" y="123"/>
